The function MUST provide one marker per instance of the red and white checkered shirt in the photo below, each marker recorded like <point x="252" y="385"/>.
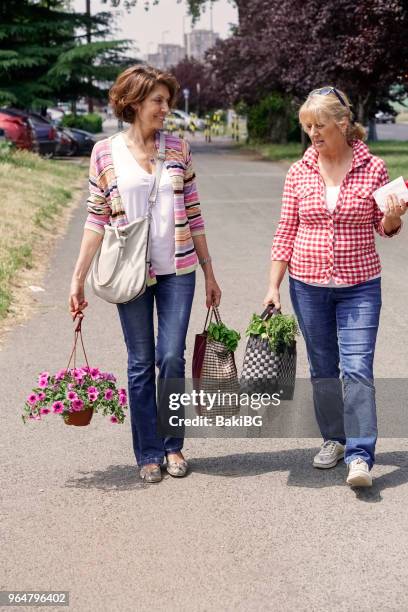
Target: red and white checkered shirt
<point x="320" y="245"/>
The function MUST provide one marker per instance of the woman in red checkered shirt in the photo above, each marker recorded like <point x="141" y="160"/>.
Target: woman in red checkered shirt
<point x="325" y="238"/>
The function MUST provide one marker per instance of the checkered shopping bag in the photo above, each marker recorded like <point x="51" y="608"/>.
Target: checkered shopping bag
<point x="267" y="371"/>
<point x="215" y="372"/>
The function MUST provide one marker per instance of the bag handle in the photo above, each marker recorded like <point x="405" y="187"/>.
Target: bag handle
<point x="215" y="312"/>
<point x="269" y="311"/>
<point x="77" y="335"/>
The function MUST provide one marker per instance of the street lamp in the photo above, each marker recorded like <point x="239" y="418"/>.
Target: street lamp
<point x="186" y="94"/>
<point x="198" y="88"/>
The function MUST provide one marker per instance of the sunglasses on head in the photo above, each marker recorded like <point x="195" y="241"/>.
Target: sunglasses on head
<point x="324" y="91"/>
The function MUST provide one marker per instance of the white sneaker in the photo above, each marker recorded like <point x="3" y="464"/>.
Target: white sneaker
<point x="330" y="453"/>
<point x="359" y="474"/>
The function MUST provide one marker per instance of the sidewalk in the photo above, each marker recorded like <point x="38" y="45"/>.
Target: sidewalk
<point x="253" y="527"/>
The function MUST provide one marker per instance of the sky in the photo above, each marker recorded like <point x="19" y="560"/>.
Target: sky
<point x="164" y="22"/>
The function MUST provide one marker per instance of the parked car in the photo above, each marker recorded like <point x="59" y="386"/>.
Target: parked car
<point x="45" y="135"/>
<point x="84" y="141"/>
<point x="29" y="131"/>
<point x="16" y="128"/>
<point x="384" y="117"/>
<point x="66" y="144"/>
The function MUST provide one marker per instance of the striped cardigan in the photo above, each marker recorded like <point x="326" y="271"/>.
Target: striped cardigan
<point x="105" y="205"/>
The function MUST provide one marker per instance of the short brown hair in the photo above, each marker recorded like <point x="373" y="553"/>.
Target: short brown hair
<point x="134" y="84"/>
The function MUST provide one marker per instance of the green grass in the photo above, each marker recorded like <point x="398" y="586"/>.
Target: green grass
<point x="393" y="152"/>
<point x="34" y="191"/>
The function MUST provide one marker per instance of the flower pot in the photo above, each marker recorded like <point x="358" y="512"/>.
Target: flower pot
<point x="79" y="418"/>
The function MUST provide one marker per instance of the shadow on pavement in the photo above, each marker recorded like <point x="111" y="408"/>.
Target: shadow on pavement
<point x="113" y="478"/>
<point x="298" y="462"/>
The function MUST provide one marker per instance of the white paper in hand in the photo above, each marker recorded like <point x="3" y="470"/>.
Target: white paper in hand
<point x="397" y="187"/>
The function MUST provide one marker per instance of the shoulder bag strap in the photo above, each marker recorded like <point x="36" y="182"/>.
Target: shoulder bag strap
<point x="159" y="168"/>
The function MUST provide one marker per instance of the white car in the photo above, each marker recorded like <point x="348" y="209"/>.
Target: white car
<point x="188" y="119"/>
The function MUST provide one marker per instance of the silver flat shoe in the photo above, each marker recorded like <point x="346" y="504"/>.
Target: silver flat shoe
<point x="151" y="475"/>
<point x="178" y="469"/>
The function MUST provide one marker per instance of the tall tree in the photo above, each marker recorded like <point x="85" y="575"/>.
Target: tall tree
<point x="39" y="41"/>
<point x="294" y="46"/>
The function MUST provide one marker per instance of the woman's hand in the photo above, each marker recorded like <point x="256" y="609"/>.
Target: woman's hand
<point x="212" y="292"/>
<point x="272" y="297"/>
<point x="77" y="302"/>
<point x="394" y="208"/>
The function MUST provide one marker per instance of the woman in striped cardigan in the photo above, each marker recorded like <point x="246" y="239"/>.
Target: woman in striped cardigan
<point x="121" y="174"/>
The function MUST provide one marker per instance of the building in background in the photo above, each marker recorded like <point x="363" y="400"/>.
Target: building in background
<point x="198" y="42"/>
<point x="167" y="55"/>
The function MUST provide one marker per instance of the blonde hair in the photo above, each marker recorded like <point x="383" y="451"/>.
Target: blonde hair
<point x="328" y="106"/>
<point x="134" y="84"/>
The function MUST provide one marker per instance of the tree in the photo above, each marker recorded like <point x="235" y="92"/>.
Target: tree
<point x="190" y="73"/>
<point x="294" y="46"/>
<point x="195" y="7"/>
<point x="44" y="53"/>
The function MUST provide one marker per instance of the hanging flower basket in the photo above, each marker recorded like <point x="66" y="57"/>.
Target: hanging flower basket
<point x="79" y="418"/>
<point x="76" y="393"/>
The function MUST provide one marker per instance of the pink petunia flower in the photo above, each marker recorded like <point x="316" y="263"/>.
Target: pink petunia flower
<point x="92" y="390"/>
<point x="114" y="419"/>
<point x="58" y="407"/>
<point x="41" y="396"/>
<point x="108" y="394"/>
<point x="92" y="397"/>
<point x="77" y="405"/>
<point x="34" y="417"/>
<point x="122" y="392"/>
<point x="44" y="411"/>
<point x="44" y="375"/>
<point x="43" y="383"/>
<point x="32" y="399"/>
<point x="122" y="400"/>
<point x="60" y="374"/>
<point x="95" y="373"/>
<point x="71" y="396"/>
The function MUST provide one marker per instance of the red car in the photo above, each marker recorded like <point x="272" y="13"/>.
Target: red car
<point x="17" y="129"/>
<point x="29" y="131"/>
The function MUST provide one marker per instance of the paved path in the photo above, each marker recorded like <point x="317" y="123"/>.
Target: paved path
<point x="253" y="527"/>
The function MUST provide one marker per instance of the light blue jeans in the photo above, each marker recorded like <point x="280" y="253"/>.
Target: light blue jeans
<point x="174" y="297"/>
<point x="340" y="327"/>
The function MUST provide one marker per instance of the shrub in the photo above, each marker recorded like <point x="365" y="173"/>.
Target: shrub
<point x="92" y="122"/>
<point x="273" y="119"/>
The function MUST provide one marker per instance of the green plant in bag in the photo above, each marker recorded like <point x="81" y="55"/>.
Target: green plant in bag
<point x="280" y="330"/>
<point x="221" y="333"/>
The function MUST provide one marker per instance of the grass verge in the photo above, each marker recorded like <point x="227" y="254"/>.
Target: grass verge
<point x="34" y="192"/>
<point x="393" y="152"/>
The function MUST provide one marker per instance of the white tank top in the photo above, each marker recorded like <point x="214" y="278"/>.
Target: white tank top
<point x="134" y="185"/>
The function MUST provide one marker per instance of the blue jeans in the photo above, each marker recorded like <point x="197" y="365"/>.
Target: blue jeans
<point x="174" y="298"/>
<point x="340" y="327"/>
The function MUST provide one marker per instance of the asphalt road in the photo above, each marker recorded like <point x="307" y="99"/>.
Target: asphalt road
<point x="392" y="131"/>
<point x="254" y="526"/>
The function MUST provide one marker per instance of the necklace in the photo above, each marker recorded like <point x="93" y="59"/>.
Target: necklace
<point x="152" y="157"/>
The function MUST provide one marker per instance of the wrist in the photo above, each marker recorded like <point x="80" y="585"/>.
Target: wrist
<point x="78" y="279"/>
<point x="205" y="261"/>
